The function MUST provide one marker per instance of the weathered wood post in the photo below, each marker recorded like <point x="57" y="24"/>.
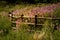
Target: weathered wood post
<point x="10" y="14"/>
<point x="35" y="21"/>
<point x="22" y="17"/>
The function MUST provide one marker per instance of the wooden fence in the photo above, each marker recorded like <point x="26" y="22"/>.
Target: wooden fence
<point x="25" y="19"/>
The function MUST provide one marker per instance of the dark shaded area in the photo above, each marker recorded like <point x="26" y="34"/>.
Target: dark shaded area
<point x="29" y="1"/>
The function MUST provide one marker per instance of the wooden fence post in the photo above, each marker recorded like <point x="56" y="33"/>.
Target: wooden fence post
<point x="35" y="20"/>
<point x="10" y="14"/>
<point x="22" y="17"/>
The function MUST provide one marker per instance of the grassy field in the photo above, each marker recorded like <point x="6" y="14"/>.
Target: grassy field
<point x="23" y="33"/>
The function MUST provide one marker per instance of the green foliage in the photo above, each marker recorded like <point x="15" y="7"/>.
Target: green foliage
<point x="21" y="34"/>
<point x="57" y="12"/>
<point x="4" y="22"/>
<point x="5" y="25"/>
<point x="48" y="28"/>
<point x="56" y="35"/>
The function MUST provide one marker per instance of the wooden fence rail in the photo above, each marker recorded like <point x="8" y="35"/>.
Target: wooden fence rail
<point x="37" y="17"/>
<point x="33" y="17"/>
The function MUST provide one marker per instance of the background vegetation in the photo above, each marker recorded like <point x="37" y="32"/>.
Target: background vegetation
<point x="30" y="1"/>
<point x="24" y="32"/>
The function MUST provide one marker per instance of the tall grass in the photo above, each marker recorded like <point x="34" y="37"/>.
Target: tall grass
<point x="23" y="34"/>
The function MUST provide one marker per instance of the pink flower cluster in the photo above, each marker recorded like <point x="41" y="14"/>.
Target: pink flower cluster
<point x="36" y="10"/>
<point x="46" y="9"/>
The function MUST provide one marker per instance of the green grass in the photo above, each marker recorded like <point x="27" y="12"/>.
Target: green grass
<point x="22" y="33"/>
<point x="56" y="35"/>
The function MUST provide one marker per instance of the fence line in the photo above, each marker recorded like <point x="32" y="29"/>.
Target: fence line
<point x="33" y="17"/>
<point x="37" y="17"/>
